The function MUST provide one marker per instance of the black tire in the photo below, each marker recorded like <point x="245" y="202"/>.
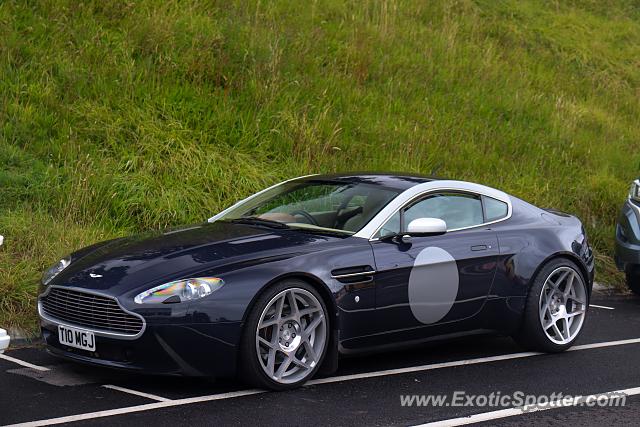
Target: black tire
<point x="531" y="335"/>
<point x="632" y="273"/>
<point x="250" y="368"/>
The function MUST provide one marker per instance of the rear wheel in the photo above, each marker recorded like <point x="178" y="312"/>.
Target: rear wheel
<point x="633" y="278"/>
<point x="556" y="308"/>
<point x="285" y="337"/>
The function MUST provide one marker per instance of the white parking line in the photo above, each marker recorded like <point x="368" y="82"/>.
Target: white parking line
<point x="511" y="412"/>
<point x="138" y="408"/>
<point x="137" y="393"/>
<point x="23" y="363"/>
<point x="462" y="363"/>
<point x="421" y="368"/>
<point x="601" y="306"/>
<point x="232" y="395"/>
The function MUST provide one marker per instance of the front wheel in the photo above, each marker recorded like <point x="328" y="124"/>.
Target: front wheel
<point x="556" y="308"/>
<point x="285" y="337"/>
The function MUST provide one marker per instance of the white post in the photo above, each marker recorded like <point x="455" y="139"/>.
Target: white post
<point x="4" y="340"/>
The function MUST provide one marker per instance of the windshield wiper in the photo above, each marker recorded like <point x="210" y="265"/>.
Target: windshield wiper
<point x="322" y="230"/>
<point x="254" y="220"/>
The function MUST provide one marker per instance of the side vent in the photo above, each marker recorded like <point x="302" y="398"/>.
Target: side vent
<point x="355" y="274"/>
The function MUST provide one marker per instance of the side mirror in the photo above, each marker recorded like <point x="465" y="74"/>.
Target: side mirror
<point x="426" y="227"/>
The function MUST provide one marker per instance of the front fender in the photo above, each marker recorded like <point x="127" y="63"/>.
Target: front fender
<point x="243" y="286"/>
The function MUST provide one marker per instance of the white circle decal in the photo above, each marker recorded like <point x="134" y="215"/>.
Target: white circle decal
<point x="433" y="285"/>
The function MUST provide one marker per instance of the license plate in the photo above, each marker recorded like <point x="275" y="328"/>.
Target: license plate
<point x="77" y="338"/>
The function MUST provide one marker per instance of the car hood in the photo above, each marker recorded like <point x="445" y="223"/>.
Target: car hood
<point x="128" y="263"/>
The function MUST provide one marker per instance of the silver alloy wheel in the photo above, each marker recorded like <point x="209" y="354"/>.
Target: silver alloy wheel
<point x="563" y="305"/>
<point x="291" y="335"/>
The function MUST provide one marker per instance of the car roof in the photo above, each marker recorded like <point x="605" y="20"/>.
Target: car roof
<point x="396" y="181"/>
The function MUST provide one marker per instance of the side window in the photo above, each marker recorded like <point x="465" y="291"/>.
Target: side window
<point x="458" y="210"/>
<point x="494" y="209"/>
<point x="391" y="227"/>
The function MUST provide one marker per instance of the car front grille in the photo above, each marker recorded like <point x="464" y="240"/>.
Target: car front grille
<point x="89" y="311"/>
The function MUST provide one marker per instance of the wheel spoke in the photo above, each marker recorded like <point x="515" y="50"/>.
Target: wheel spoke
<point x="300" y="363"/>
<point x="282" y="369"/>
<point x="565" y="326"/>
<point x="562" y="278"/>
<point x="293" y="304"/>
<point x="280" y="307"/>
<point x="269" y="344"/>
<point x="271" y="361"/>
<point x="310" y="352"/>
<point x="578" y="300"/>
<point x="313" y="325"/>
<point x="575" y="313"/>
<point x="277" y="315"/>
<point x="568" y="287"/>
<point x="545" y="306"/>
<point x="301" y="314"/>
<point x="268" y="322"/>
<point x="556" y="331"/>
<point x="309" y="310"/>
<point x="548" y="325"/>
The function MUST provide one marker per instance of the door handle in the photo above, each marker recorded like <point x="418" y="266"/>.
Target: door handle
<point x="480" y="247"/>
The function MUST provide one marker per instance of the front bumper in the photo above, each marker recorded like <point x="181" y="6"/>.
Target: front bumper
<point x="627" y="241"/>
<point x="191" y="349"/>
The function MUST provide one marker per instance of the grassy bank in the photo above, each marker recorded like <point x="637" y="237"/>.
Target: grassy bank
<point x="118" y="116"/>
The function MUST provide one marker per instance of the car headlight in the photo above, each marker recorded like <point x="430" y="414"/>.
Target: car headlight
<point x="634" y="191"/>
<point x="180" y="291"/>
<point x="54" y="270"/>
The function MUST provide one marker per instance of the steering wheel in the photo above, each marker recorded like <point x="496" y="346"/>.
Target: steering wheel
<point x="307" y="215"/>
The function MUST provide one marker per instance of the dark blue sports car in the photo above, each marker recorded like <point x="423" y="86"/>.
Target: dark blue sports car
<point x="278" y="286"/>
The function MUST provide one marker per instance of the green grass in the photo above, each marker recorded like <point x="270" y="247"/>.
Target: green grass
<point x="118" y="116"/>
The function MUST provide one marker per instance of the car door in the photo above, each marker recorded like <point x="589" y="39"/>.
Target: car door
<point x="423" y="282"/>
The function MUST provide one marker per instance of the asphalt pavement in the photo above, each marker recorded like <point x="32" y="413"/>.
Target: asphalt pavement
<point x="465" y="374"/>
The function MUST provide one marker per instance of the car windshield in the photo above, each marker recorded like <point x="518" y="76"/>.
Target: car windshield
<point x="314" y="205"/>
